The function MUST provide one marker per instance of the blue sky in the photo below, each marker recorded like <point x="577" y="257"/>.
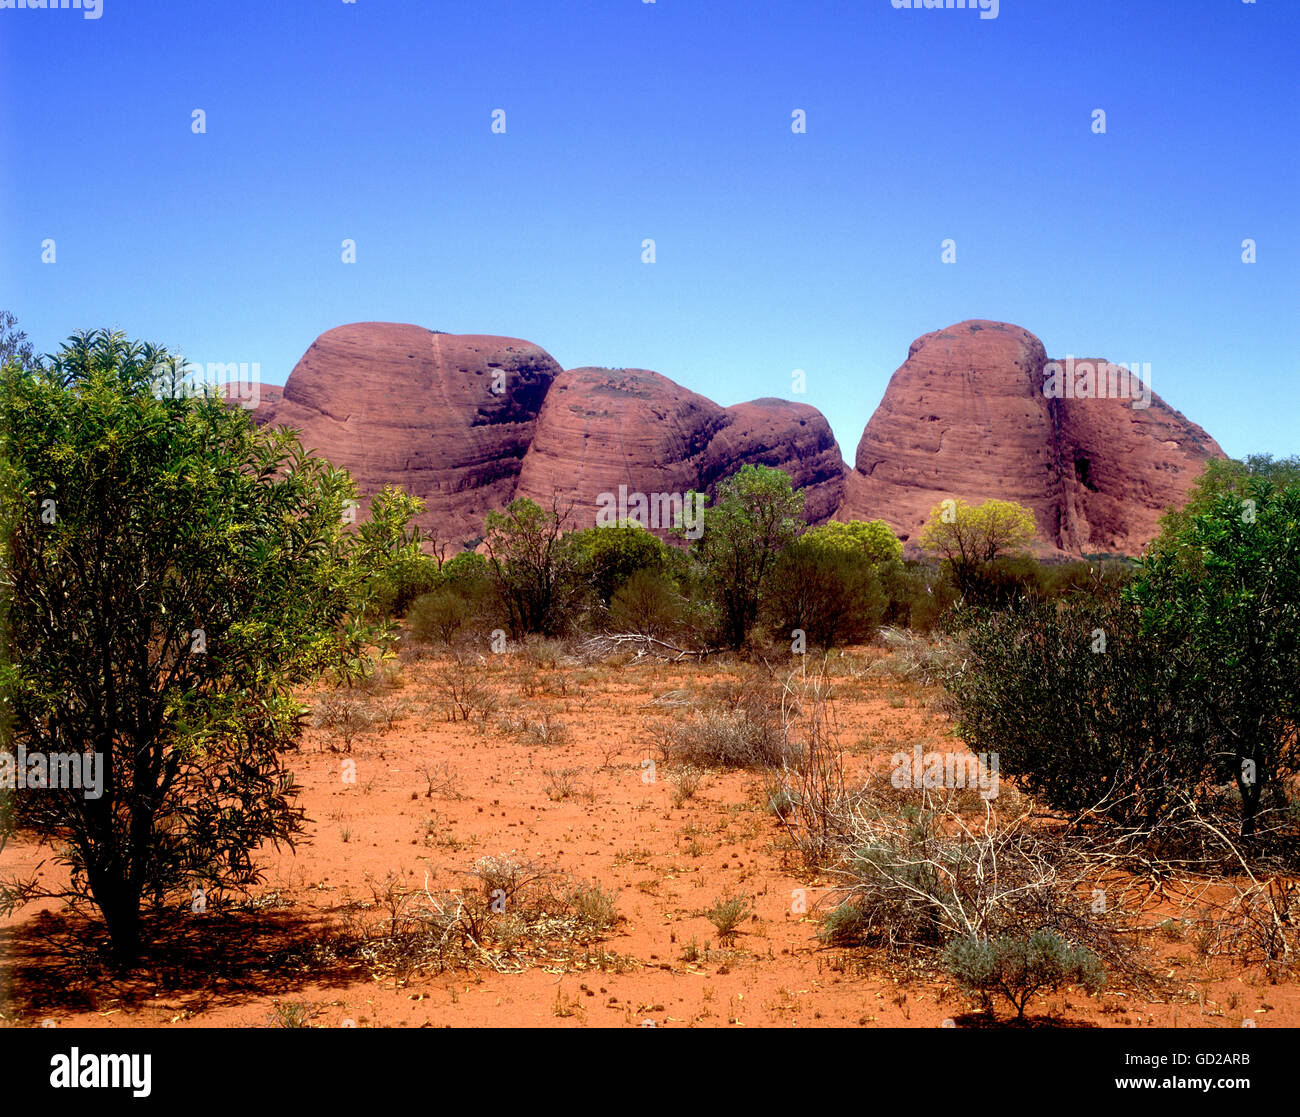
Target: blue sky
<point x="627" y="120"/>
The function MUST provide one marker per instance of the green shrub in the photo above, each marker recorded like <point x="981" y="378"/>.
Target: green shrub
<point x="916" y="596"/>
<point x="402" y="581"/>
<point x="829" y="593"/>
<point x="727" y="914"/>
<point x="1219" y="592"/>
<point x="648" y="603"/>
<point x="1079" y="707"/>
<point x="439" y="616"/>
<point x="1019" y="966"/>
<point x="609" y="556"/>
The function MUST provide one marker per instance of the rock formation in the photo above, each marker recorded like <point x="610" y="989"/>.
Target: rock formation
<point x="601" y="428"/>
<point x="967" y="416"/>
<point x="468" y="422"/>
<point x="448" y="417"/>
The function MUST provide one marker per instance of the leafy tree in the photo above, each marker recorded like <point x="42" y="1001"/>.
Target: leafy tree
<point x="14" y="345"/>
<point x="1019" y="966"/>
<point x="969" y="537"/>
<point x="756" y="514"/>
<point x="533" y="566"/>
<point x="609" y="555"/>
<point x="1221" y="594"/>
<point x="829" y="592"/>
<point x="873" y="538"/>
<point x="170" y="572"/>
<point x="391" y="547"/>
<point x="1222" y="476"/>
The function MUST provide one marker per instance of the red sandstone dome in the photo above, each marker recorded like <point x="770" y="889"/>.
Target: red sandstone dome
<point x="469" y="422"/>
<point x="601" y="428"/>
<point x="966" y="417"/>
<point x="448" y="417"/>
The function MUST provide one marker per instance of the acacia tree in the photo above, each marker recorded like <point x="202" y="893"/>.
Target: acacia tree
<point x="873" y="539"/>
<point x="755" y="515"/>
<point x="14" y="344"/>
<point x="169" y="572"/>
<point x="1221" y="592"/>
<point x="532" y="565"/>
<point x="969" y="537"/>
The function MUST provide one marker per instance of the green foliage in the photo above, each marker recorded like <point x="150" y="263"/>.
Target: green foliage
<point x="609" y="555"/>
<point x="14" y="345"/>
<point x="170" y="572"/>
<point x="1079" y="707"/>
<point x="873" y="538"/>
<point x="829" y="592"/>
<point x="1018" y="967"/>
<point x="1224" y="476"/>
<point x="728" y="914"/>
<point x="466" y="570"/>
<point x="969" y="537"/>
<point x="534" y="568"/>
<point x="390" y="546"/>
<point x="916" y="596"/>
<point x="440" y="615"/>
<point x="756" y="514"/>
<point x="648" y="603"/>
<point x="1221" y="593"/>
<point x="1153" y="689"/>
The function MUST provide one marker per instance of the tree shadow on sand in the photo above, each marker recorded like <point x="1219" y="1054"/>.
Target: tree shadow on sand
<point x="986" y="1020"/>
<point x="60" y="962"/>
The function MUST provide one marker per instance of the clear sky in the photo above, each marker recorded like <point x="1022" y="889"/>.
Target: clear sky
<point x="672" y="120"/>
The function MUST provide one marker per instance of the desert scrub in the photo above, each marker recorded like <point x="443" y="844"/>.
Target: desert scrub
<point x="592" y="910"/>
<point x="561" y="783"/>
<point x="727" y="914"/>
<point x="343" y="714"/>
<point x="290" y="1015"/>
<point x="462" y="693"/>
<point x="728" y="739"/>
<point x="686" y="782"/>
<point x="1017" y="967"/>
<point x="916" y="877"/>
<point x="925" y="659"/>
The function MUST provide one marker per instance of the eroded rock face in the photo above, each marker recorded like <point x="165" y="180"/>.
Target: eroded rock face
<point x="469" y="422"/>
<point x="966" y="417"/>
<point x="448" y="417"/>
<point x="601" y="428"/>
<point x="604" y="428"/>
<point x="789" y="436"/>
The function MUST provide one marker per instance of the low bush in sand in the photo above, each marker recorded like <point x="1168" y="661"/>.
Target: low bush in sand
<point x="727" y="739"/>
<point x="1017" y="967"/>
<point x="462" y="692"/>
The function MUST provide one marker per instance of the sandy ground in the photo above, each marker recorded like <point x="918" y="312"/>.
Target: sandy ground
<point x="253" y="965"/>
